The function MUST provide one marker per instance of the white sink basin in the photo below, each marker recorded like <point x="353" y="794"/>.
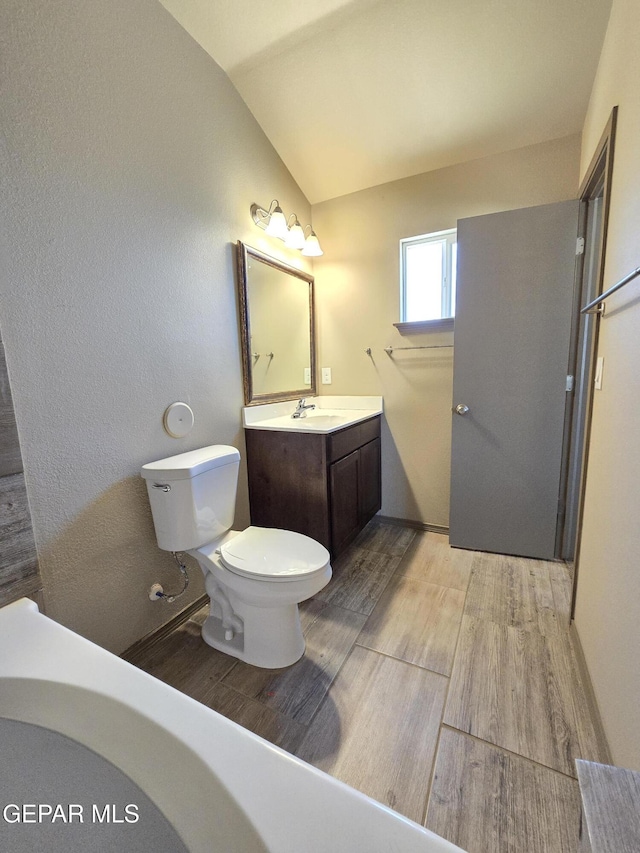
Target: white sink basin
<point x="321" y="420"/>
<point x="330" y="414"/>
<point x="316" y="420"/>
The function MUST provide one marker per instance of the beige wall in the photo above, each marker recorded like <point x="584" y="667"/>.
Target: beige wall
<point x="608" y="603"/>
<point x="129" y="164"/>
<point x="357" y="293"/>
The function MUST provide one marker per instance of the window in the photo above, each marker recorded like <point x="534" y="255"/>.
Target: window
<point x="428" y="277"/>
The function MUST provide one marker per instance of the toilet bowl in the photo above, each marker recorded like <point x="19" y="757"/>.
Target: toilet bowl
<point x="255" y="578"/>
<point x="261" y="575"/>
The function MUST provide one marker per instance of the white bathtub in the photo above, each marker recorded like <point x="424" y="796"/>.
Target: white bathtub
<point x="220" y="786"/>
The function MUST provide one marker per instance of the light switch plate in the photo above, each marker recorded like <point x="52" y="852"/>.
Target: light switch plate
<point x="599" y="369"/>
<point x="326" y="376"/>
<point x="307" y="376"/>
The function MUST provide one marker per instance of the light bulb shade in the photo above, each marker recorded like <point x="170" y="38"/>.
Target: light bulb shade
<point x="277" y="226"/>
<point x="295" y="238"/>
<point x="312" y="246"/>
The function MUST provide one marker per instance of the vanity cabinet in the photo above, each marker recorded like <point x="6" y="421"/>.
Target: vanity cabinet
<point x="324" y="485"/>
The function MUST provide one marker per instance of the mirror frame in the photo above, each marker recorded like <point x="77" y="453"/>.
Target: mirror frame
<point x="243" y="253"/>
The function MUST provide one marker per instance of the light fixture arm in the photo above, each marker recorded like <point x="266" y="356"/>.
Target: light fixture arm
<point x="274" y="222"/>
<point x="261" y="216"/>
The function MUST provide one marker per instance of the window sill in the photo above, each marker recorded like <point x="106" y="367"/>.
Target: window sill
<point x="443" y="325"/>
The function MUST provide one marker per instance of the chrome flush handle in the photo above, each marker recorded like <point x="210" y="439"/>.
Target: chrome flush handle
<point x="164" y="486"/>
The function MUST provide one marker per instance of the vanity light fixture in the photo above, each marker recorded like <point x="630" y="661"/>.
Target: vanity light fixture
<point x="311" y="244"/>
<point x="275" y="224"/>
<point x="295" y="237"/>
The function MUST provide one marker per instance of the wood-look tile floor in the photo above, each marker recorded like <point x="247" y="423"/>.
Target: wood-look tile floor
<point x="441" y="682"/>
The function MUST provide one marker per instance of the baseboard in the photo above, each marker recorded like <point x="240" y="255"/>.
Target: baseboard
<point x="146" y="643"/>
<point x="416" y="525"/>
<point x="590" y="694"/>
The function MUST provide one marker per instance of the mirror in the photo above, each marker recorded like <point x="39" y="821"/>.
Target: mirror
<point x="277" y="328"/>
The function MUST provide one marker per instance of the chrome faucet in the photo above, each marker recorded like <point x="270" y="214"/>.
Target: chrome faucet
<point x="301" y="411"/>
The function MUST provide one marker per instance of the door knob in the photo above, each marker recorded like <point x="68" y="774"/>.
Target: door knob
<point x="461" y="409"/>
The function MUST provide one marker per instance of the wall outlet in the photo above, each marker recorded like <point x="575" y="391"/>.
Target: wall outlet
<point x="326" y="376"/>
<point x="307" y="376"/>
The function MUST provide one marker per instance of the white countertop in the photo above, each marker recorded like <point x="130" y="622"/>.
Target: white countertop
<point x="329" y="415"/>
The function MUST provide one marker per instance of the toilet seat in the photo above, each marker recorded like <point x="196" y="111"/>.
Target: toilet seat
<point x="264" y="553"/>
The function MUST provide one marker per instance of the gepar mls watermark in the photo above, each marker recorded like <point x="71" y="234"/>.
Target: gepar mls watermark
<point x="59" y="813"/>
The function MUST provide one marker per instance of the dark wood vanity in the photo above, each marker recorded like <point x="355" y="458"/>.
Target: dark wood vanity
<point x="325" y="485"/>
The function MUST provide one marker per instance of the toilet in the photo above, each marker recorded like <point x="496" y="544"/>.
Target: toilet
<point x="255" y="578"/>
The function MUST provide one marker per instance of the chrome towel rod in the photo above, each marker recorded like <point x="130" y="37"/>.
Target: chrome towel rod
<point x="391" y="350"/>
<point x="594" y="306"/>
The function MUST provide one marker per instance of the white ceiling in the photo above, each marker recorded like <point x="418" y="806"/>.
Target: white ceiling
<point x="355" y="93"/>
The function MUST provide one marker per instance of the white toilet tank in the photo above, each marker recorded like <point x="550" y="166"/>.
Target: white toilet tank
<point x="193" y="496"/>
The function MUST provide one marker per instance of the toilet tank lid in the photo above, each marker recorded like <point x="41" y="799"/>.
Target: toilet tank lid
<point x="190" y="464"/>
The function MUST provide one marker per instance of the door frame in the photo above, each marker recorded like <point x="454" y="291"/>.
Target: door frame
<point x="598" y="175"/>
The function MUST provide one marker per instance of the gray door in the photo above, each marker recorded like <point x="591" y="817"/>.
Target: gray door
<point x="512" y="329"/>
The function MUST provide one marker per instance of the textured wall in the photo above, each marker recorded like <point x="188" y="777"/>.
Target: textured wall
<point x="128" y="165"/>
<point x="608" y="603"/>
<point x="357" y="293"/>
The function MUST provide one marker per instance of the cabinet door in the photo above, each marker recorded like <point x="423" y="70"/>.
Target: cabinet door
<point x="344" y="480"/>
<point x="370" y="485"/>
<point x="288" y="482"/>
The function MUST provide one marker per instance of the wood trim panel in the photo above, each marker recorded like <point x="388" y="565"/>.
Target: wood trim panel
<point x="19" y="574"/>
<point x="18" y="560"/>
<point x="10" y="456"/>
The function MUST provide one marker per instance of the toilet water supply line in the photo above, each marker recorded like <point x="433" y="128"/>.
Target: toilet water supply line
<point x="157" y="591"/>
<point x="231" y="622"/>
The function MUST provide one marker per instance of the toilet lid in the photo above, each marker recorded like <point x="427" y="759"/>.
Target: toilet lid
<point x="263" y="552"/>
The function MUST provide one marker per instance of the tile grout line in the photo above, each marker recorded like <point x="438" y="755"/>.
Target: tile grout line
<point x="546" y="637"/>
<point x="395" y="574"/>
<point x="403" y="560"/>
<point x="509" y="752"/>
<point x="349" y="653"/>
<point x="444" y="705"/>
<point x="382" y="590"/>
<point x="276" y="711"/>
<point x="401" y="660"/>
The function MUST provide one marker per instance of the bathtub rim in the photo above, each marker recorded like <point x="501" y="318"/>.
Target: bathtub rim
<point x="279" y="791"/>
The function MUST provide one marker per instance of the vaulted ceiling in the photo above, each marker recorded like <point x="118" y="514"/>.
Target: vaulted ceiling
<point x="355" y="93"/>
